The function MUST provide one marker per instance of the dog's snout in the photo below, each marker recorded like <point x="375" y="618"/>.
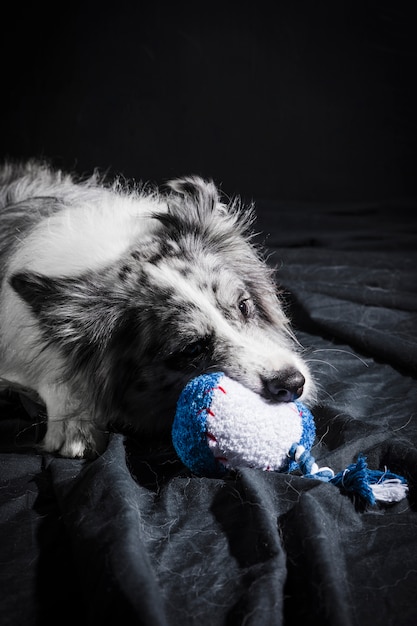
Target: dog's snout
<point x="286" y="386"/>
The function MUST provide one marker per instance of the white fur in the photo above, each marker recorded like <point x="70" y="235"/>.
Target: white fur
<point x="86" y="236"/>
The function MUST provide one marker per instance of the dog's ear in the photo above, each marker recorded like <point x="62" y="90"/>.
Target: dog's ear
<point x="37" y="290"/>
<point x="201" y="204"/>
<point x="77" y="312"/>
<point x="202" y="192"/>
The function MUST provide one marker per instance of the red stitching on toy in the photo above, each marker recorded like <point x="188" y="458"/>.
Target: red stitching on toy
<point x="210" y="436"/>
<point x="214" y="389"/>
<point x="209" y="411"/>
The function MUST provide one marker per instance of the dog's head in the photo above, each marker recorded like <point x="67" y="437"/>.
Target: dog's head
<point x="192" y="295"/>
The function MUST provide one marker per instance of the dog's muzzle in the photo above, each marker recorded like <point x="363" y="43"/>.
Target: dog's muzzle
<point x="286" y="386"/>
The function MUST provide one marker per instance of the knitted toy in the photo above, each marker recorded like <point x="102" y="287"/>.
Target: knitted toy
<point x="220" y="425"/>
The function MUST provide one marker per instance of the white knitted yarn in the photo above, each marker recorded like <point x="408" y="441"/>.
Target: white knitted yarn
<point x="251" y="432"/>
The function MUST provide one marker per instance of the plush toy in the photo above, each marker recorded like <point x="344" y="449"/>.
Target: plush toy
<point x="220" y="425"/>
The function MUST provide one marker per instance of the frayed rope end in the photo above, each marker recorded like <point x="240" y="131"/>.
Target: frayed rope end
<point x="370" y="485"/>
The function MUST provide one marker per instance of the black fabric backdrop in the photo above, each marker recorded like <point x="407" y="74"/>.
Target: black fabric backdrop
<point x="309" y="108"/>
<point x="290" y="100"/>
<point x="134" y="537"/>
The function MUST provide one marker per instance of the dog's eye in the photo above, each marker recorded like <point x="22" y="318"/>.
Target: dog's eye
<point x="244" y="307"/>
<point x="194" y="349"/>
<point x="193" y="355"/>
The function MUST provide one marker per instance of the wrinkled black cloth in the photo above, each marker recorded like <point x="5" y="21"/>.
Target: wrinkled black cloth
<point x="134" y="537"/>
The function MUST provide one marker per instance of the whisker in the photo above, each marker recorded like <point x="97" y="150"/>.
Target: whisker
<point x="352" y="354"/>
<point x="323" y="362"/>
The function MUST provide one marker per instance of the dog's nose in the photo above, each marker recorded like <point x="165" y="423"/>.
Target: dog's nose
<point x="287" y="386"/>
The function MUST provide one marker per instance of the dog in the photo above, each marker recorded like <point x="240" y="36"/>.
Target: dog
<point x="114" y="295"/>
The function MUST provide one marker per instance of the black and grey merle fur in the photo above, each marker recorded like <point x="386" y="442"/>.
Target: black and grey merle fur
<point x="112" y="298"/>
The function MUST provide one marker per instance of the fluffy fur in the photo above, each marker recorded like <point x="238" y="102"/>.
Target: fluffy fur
<point x="112" y="298"/>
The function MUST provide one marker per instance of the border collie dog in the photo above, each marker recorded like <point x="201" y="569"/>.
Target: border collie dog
<point x="114" y="296"/>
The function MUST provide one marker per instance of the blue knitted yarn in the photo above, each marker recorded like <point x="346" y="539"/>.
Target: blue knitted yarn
<point x="308" y="436"/>
<point x="189" y="431"/>
<point x="189" y="436"/>
<point x="189" y="427"/>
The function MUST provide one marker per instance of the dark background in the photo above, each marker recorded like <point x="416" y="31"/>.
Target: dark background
<point x="286" y="100"/>
<point x="309" y="108"/>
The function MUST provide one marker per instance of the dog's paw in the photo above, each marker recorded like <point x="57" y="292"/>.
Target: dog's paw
<point x="79" y="449"/>
<point x="74" y="439"/>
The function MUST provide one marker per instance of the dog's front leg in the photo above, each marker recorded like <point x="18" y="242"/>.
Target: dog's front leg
<point x="71" y="432"/>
